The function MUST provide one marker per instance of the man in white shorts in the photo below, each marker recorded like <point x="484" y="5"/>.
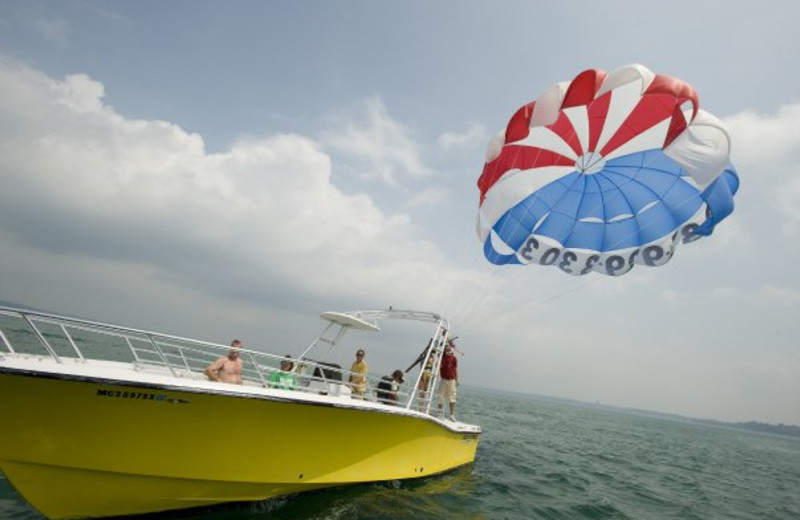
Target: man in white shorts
<point x="448" y="386"/>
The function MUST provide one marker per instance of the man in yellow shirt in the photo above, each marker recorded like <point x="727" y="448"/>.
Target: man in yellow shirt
<point x="358" y="375"/>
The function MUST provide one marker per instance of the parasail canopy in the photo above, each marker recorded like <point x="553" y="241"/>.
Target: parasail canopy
<point x="603" y="173"/>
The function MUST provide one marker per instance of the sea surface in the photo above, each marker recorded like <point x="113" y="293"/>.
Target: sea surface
<point x="542" y="458"/>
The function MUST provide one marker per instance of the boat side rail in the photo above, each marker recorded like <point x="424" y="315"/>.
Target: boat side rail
<point x="7" y="344"/>
<point x="73" y="340"/>
<point x="62" y="338"/>
<point x="80" y="341"/>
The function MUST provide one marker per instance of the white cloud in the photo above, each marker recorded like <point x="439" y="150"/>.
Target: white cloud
<point x="772" y="295"/>
<point x="474" y="136"/>
<point x="82" y="94"/>
<point x="429" y="197"/>
<point x="380" y="147"/>
<point x="767" y="149"/>
<point x="81" y="179"/>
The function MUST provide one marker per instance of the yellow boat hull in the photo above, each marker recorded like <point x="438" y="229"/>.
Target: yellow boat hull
<point x="78" y="448"/>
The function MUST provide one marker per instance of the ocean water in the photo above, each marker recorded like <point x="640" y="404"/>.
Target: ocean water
<point x="543" y="458"/>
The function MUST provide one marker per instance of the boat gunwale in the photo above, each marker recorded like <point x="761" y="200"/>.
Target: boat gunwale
<point x="245" y="392"/>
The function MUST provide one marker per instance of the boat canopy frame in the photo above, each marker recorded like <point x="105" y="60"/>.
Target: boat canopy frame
<point x="340" y="323"/>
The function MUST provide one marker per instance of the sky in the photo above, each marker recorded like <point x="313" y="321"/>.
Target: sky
<point x="218" y="170"/>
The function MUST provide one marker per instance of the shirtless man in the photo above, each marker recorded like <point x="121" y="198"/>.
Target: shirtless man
<point x="227" y="369"/>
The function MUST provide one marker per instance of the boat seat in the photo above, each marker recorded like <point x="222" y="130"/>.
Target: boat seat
<point x="328" y="371"/>
<point x="333" y="389"/>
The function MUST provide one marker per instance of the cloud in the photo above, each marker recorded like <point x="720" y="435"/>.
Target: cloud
<point x="475" y="136"/>
<point x="766" y="148"/>
<point x="377" y="146"/>
<point x="81" y="179"/>
<point x="429" y="197"/>
<point x="772" y="295"/>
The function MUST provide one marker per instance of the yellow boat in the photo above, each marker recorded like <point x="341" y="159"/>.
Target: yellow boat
<point x="101" y="420"/>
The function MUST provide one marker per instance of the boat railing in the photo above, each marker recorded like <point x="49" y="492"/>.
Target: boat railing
<point x="72" y="340"/>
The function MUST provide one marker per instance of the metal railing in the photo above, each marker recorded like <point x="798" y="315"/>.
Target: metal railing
<point x="72" y="340"/>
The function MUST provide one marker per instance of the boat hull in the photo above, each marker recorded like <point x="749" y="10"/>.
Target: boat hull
<point x="78" y="447"/>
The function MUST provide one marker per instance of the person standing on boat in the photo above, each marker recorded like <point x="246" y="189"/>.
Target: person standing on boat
<point x="427" y="372"/>
<point x="283" y="378"/>
<point x="227" y="369"/>
<point x="448" y="386"/>
<point x="358" y="375"/>
<point x="388" y="387"/>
